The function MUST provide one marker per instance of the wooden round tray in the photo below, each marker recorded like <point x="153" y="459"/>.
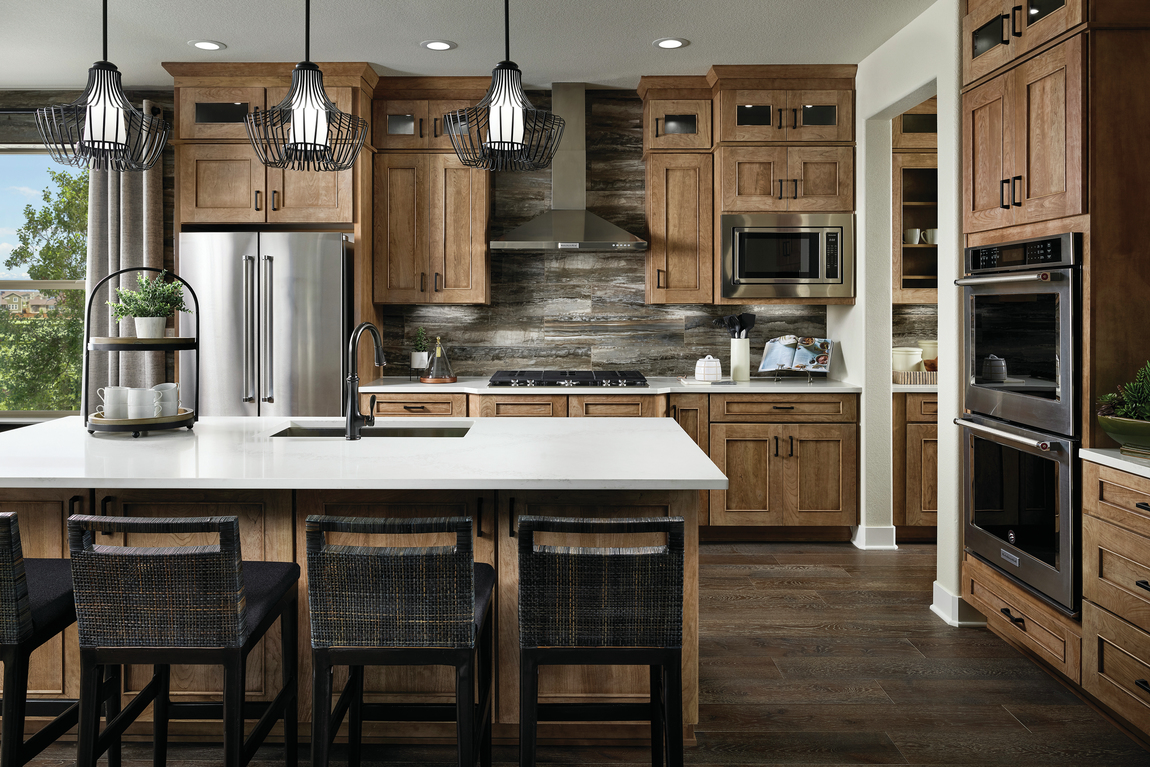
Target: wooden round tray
<point x="183" y="417"/>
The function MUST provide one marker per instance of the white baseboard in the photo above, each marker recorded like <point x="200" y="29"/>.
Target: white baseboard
<point x="874" y="538"/>
<point x="953" y="610"/>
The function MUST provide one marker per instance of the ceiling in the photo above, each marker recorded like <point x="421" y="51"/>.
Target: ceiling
<point x="51" y="43"/>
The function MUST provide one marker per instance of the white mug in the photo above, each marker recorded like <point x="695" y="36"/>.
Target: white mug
<point x="169" y="397"/>
<point x="910" y="236"/>
<point x="930" y="236"/>
<point x="145" y="411"/>
<point x="113" y="410"/>
<point x="112" y="395"/>
<point x="139" y="397"/>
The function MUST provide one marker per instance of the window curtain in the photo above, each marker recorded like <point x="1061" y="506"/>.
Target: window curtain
<point x="125" y="229"/>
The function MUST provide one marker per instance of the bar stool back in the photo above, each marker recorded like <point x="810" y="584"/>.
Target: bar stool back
<point x="183" y="605"/>
<point x="399" y="606"/>
<point x="603" y="606"/>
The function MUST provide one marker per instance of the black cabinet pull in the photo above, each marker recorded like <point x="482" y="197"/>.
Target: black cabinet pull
<point x="1014" y="30"/>
<point x="776" y="446"/>
<point x="479" y="517"/>
<point x="792" y="453"/>
<point x="1005" y="34"/>
<point x="1020" y="621"/>
<point x="421" y="127"/>
<point x="795" y="181"/>
<point x="257" y="199"/>
<point x="423" y="282"/>
<point x="274" y="193"/>
<point x="781" y="189"/>
<point x="675" y="412"/>
<point x="1142" y="505"/>
<point x="1143" y="584"/>
<point x="435" y="127"/>
<point x="782" y="407"/>
<point x="511" y="517"/>
<point x="73" y="504"/>
<point x="780" y="119"/>
<point x="1002" y="203"/>
<point x="437" y="282"/>
<point x="105" y="502"/>
<point x="1143" y="684"/>
<point x="795" y="124"/>
<point x="1013" y="194"/>
<point x="659" y="279"/>
<point x="414" y="408"/>
<point x="656" y="127"/>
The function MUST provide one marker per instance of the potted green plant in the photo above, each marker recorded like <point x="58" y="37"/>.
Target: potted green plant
<point x="1125" y="414"/>
<point x="419" y="355"/>
<point x="151" y="305"/>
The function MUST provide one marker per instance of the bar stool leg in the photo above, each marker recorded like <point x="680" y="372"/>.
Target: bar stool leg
<point x="528" y="711"/>
<point x="657" y="735"/>
<point x="234" y="682"/>
<point x="486" y="654"/>
<point x="320" y="709"/>
<point x="160" y="712"/>
<point x="90" y="675"/>
<point x="465" y="709"/>
<point x="14" y="707"/>
<point x="112" y="708"/>
<point x="289" y="633"/>
<point x="355" y="717"/>
<point x="674" y="709"/>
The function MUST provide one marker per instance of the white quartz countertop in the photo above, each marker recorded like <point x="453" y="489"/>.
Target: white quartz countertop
<point x="240" y="453"/>
<point x="657" y="385"/>
<point x="1112" y="457"/>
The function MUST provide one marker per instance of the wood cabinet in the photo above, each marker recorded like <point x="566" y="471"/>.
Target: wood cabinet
<point x="997" y="31"/>
<point x="801" y="179"/>
<point x="415" y="405"/>
<point x="915" y="442"/>
<point x="916" y="129"/>
<point x="817" y="115"/>
<point x="691" y="411"/>
<point x="430" y="244"/>
<point x="784" y="408"/>
<point x="616" y="406"/>
<point x="915" y="206"/>
<point x="217" y="113"/>
<point x="414" y="123"/>
<point x="676" y="124"/>
<point x="221" y="183"/>
<point x="1023" y="142"/>
<point x="680" y="221"/>
<point x="517" y="405"/>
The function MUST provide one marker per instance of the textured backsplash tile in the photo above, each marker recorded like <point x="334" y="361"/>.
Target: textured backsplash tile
<point x="912" y="323"/>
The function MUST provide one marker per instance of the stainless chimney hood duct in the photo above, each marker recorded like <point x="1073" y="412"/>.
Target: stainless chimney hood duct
<point x="569" y="225"/>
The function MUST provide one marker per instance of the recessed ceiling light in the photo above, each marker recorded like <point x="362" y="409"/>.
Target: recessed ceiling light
<point x="671" y="42"/>
<point x="438" y="45"/>
<point x="207" y="45"/>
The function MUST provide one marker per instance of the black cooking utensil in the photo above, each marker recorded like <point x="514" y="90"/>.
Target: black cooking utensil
<point x="747" y="321"/>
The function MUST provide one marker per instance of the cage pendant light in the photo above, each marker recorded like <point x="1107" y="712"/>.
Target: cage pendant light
<point x="503" y="131"/>
<point x="306" y="131"/>
<point x="101" y="130"/>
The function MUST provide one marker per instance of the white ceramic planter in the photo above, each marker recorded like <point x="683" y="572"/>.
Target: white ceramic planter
<point x="150" y="327"/>
<point x="419" y="360"/>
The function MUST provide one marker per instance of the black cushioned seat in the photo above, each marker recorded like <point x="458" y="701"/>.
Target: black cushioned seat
<point x="49" y="593"/>
<point x="265" y="583"/>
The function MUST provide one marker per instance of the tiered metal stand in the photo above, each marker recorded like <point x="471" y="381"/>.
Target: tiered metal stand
<point x="183" y="417"/>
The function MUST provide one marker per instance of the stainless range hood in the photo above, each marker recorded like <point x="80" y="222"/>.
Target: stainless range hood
<point x="569" y="225"/>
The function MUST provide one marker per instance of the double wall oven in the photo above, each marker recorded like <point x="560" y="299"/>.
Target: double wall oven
<point x="1022" y="387"/>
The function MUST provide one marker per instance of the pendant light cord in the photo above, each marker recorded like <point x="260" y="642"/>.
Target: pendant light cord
<point x="306" y="30"/>
<point x="506" y="29"/>
<point x="105" y="30"/>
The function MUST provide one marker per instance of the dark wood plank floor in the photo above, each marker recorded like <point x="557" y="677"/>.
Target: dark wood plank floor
<point x="824" y="654"/>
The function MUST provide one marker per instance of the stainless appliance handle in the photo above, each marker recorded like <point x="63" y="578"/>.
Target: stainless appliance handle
<point x="266" y="300"/>
<point x="1030" y="277"/>
<point x="1040" y="445"/>
<point x="248" y="394"/>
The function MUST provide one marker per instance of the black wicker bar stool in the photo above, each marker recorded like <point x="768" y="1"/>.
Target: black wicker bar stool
<point x="199" y="605"/>
<point x="399" y="606"/>
<point x="35" y="605"/>
<point x="603" y="606"/>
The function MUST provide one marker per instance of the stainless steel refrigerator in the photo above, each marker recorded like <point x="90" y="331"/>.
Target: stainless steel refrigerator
<point x="274" y="319"/>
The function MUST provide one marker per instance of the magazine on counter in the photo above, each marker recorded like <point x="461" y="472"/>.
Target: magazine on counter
<point x="806" y="354"/>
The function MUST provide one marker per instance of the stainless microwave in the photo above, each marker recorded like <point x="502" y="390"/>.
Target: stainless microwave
<point x="788" y="255"/>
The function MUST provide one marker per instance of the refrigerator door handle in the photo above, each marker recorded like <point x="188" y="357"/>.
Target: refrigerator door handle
<point x="249" y="263"/>
<point x="266" y="300"/>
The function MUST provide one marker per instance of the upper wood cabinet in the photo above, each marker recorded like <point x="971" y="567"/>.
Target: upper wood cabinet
<point x="753" y="115"/>
<point x="1023" y="142"/>
<point x="786" y="115"/>
<point x="680" y="215"/>
<point x="995" y="32"/>
<point x="221" y="183"/>
<point x="914" y="206"/>
<point x="217" y="113"/>
<point x="916" y="129"/>
<point x="414" y="123"/>
<point x="803" y="178"/>
<point x="677" y="124"/>
<point x="430" y="230"/>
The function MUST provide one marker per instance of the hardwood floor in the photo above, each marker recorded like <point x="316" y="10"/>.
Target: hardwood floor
<point x="824" y="654"/>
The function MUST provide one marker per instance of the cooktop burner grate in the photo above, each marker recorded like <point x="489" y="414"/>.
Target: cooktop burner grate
<point x="604" y="378"/>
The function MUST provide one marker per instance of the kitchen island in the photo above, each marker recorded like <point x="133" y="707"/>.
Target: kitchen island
<point x="497" y="471"/>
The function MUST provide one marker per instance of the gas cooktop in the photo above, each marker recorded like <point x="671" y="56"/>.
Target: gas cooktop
<point x="567" y="378"/>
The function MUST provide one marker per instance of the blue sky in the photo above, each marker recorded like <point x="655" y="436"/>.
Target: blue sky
<point x="23" y="178"/>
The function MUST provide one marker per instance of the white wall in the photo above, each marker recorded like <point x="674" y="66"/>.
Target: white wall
<point x="921" y="60"/>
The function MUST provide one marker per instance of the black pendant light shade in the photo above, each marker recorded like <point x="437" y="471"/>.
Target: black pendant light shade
<point x="101" y="130"/>
<point x="503" y="131"/>
<point x="306" y="131"/>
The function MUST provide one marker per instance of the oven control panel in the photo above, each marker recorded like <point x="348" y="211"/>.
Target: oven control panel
<point x="1023" y="254"/>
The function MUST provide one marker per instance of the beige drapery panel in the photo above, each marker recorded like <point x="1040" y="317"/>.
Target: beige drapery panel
<point x="125" y="229"/>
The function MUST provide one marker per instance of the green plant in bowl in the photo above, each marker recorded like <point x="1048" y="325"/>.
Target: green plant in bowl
<point x="1125" y="415"/>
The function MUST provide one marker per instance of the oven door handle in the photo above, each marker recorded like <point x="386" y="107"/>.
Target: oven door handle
<point x="1038" y="444"/>
<point x="1032" y="277"/>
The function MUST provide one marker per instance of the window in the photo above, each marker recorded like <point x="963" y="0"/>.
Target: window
<point x="43" y="263"/>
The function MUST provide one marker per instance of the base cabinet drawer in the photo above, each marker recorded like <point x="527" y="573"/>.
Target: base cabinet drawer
<point x="395" y="405"/>
<point x="1116" y="571"/>
<point x="1116" y="664"/>
<point x="616" y="406"/>
<point x="922" y="408"/>
<point x="1022" y="619"/>
<point x="517" y="406"/>
<point x="784" y="408"/>
<point x="1117" y="497"/>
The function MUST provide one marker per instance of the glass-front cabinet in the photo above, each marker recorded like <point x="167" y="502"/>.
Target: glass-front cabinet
<point x="677" y="124"/>
<point x="786" y="115"/>
<point x="997" y="31"/>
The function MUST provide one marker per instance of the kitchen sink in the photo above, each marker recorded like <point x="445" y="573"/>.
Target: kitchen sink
<point x="375" y="431"/>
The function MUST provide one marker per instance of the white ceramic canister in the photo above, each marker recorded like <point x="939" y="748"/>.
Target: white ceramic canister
<point x="708" y="369"/>
<point x="929" y="354"/>
<point x="740" y="359"/>
<point x="905" y="357"/>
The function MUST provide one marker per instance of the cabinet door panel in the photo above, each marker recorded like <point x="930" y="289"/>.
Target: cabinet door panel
<point x="517" y="405"/>
<point x="310" y="196"/>
<point x="825" y="177"/>
<point x="820" y="115"/>
<point x="749" y="455"/>
<point x="458" y="218"/>
<point x="616" y="406"/>
<point x="401" y="124"/>
<point x="401" y="223"/>
<point x="751" y="178"/>
<point x="921" y="474"/>
<point x="1048" y="133"/>
<point x="680" y="216"/>
<point x="753" y="115"/>
<point x="987" y="155"/>
<point x="820" y="475"/>
<point x="217" y="113"/>
<point x="1042" y="20"/>
<point x="690" y="412"/>
<point x="221" y="183"/>
<point x="677" y="124"/>
<point x="986" y="40"/>
<point x="436" y="109"/>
